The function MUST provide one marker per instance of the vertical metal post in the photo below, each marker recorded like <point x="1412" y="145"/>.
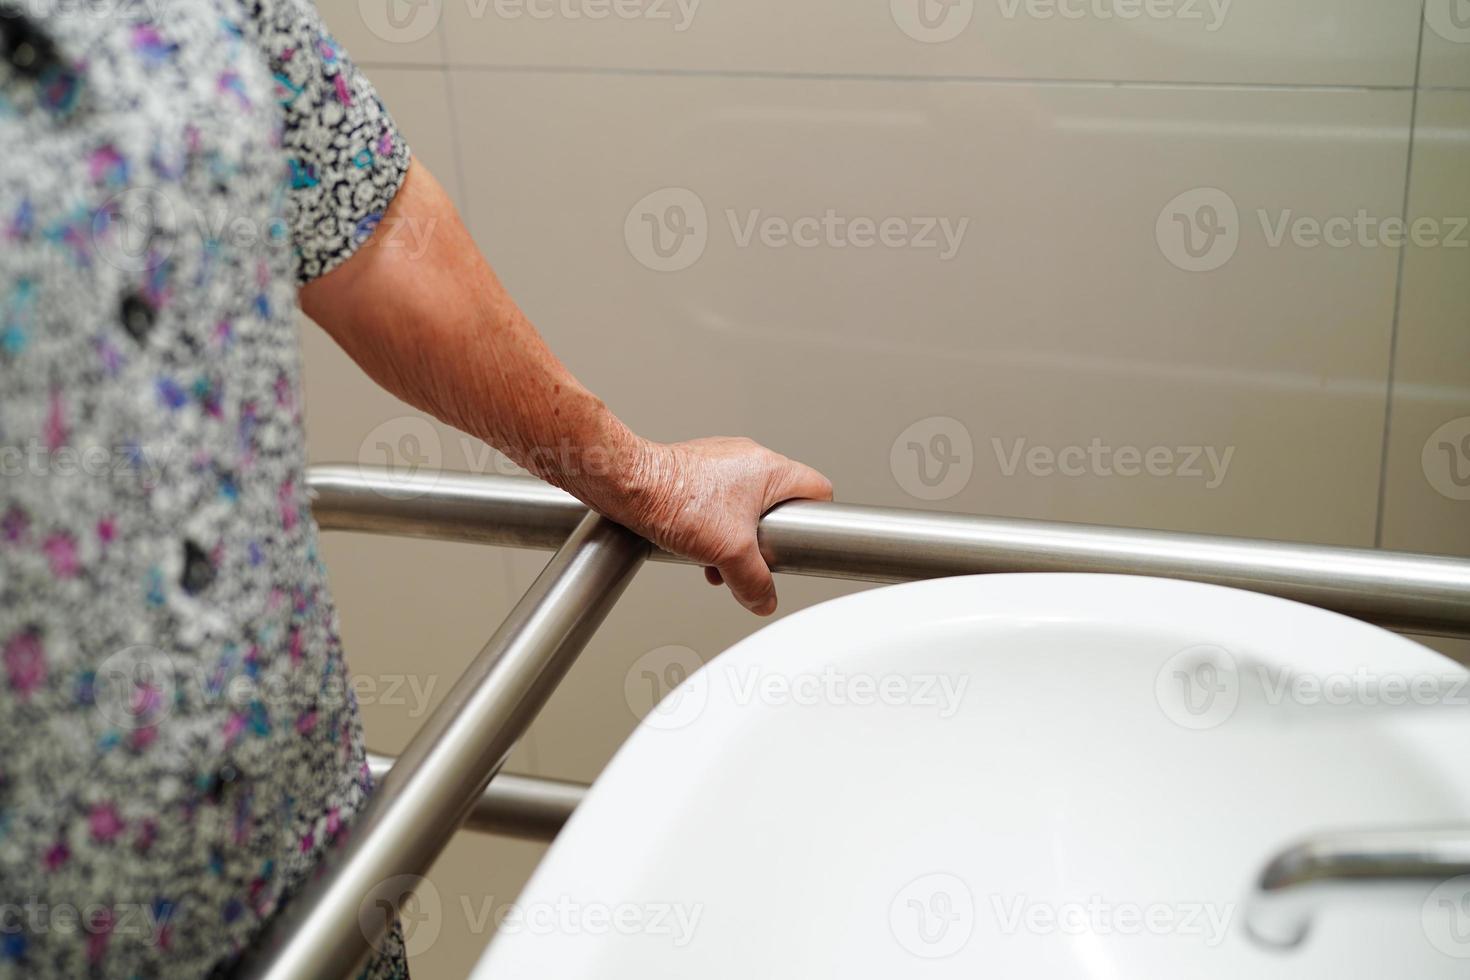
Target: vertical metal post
<point x="328" y="929"/>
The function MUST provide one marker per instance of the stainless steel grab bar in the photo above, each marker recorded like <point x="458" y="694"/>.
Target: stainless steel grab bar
<point x="329" y="927"/>
<point x="441" y="779"/>
<point x="1414" y="593"/>
<point x="526" y="807"/>
<point x="1318" y="872"/>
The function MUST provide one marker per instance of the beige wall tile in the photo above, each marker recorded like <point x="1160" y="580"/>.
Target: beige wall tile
<point x="394" y="31"/>
<point x="1446" y="56"/>
<point x="472" y="883"/>
<point x="1060" y="319"/>
<point x="1261" y="41"/>
<point x="1427" y="496"/>
<point x="1456" y="649"/>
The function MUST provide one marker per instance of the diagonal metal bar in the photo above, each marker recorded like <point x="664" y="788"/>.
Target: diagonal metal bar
<point x="327" y="929"/>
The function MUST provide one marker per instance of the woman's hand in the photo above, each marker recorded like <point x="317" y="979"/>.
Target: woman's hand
<point x="703" y="500"/>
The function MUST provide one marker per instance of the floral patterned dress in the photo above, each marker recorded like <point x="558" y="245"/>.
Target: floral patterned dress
<point x="178" y="743"/>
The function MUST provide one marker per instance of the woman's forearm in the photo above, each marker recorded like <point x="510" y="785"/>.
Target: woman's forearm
<point x="421" y="311"/>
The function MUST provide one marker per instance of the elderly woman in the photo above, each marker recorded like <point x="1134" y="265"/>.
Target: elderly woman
<point x="154" y="512"/>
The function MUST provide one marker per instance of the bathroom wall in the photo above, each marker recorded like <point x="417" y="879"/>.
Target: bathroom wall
<point x="1113" y="261"/>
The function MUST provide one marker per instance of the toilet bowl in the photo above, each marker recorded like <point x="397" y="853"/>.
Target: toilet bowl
<point x="1039" y="776"/>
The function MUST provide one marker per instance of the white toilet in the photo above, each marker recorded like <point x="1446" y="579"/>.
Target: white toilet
<point x="1010" y="776"/>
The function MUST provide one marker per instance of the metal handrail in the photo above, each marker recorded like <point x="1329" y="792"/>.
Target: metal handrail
<point x="1314" y="873"/>
<point x="524" y="807"/>
<point x="442" y="777"/>
<point x="330" y="926"/>
<point x="1409" y="592"/>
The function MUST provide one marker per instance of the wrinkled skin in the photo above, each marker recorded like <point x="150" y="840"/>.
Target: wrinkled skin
<point x="421" y="311"/>
<point x="704" y="500"/>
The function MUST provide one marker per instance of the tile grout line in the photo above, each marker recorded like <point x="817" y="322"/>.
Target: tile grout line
<point x="1398" y="295"/>
<point x="997" y="81"/>
<point x="452" y="108"/>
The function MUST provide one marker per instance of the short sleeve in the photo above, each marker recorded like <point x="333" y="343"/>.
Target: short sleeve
<point x="345" y="155"/>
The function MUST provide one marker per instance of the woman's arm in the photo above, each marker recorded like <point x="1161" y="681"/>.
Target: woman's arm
<point x="435" y="327"/>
